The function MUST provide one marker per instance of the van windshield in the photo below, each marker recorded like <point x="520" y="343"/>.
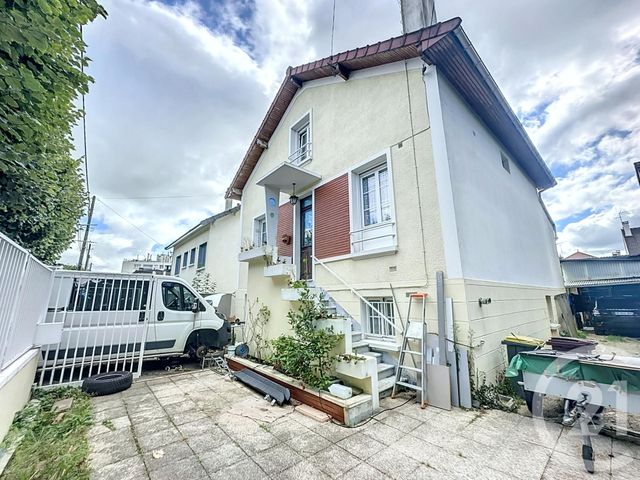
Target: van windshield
<point x="176" y="296"/>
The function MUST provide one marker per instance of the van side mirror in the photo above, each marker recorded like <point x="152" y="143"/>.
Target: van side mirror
<point x="195" y="307"/>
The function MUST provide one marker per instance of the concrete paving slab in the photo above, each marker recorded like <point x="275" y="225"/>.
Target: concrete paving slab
<point x="99" y="404"/>
<point x="158" y="439"/>
<point x="570" y="467"/>
<point x="167" y="454"/>
<point x="188" y="417"/>
<point x="187" y="468"/>
<point x="129" y="469"/>
<point x="400" y="422"/>
<point x="222" y="456"/>
<point x="109" y="414"/>
<point x="285" y="429"/>
<point x="334" y="433"/>
<point x="114" y="451"/>
<point x="364" y="471"/>
<point x="277" y="459"/>
<point x="308" y="444"/>
<point x="199" y="427"/>
<point x="620" y="447"/>
<point x="207" y="442"/>
<point x="625" y="468"/>
<point x="152" y="426"/>
<point x="114" y="424"/>
<point x="146" y="414"/>
<point x="305" y="470"/>
<point x="394" y="463"/>
<point x="244" y="470"/>
<point x="334" y="461"/>
<point x="355" y="445"/>
<point x="382" y="433"/>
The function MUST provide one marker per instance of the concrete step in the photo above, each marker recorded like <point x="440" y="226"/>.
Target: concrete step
<point x="385" y="385"/>
<point x="385" y="370"/>
<point x="356" y="337"/>
<point x="360" y="347"/>
<point x="377" y="355"/>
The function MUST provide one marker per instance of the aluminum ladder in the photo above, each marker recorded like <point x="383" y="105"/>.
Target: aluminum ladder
<point x="415" y="331"/>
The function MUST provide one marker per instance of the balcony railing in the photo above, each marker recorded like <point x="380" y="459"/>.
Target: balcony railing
<point x="301" y="155"/>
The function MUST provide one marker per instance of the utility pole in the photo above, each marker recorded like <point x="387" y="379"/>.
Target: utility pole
<point x="417" y="14"/>
<point x="86" y="262"/>
<point x="86" y="232"/>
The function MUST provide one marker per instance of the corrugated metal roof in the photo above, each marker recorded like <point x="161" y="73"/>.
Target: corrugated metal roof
<point x="601" y="271"/>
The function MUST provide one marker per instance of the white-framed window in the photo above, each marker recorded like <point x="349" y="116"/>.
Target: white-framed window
<point x="260" y="231"/>
<point x="373" y="225"/>
<point x="300" y="140"/>
<point x="375" y="197"/>
<point x="376" y="324"/>
<point x="185" y="259"/>
<point x="192" y="257"/>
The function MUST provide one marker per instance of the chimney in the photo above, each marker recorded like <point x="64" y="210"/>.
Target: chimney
<point x="417" y="14"/>
<point x="228" y="203"/>
<point x="626" y="229"/>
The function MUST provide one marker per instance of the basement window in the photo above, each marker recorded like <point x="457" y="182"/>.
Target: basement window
<point x="376" y="324"/>
<point x="505" y="162"/>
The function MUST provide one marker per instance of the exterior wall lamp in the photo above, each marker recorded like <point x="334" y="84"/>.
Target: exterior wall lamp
<point x="293" y="199"/>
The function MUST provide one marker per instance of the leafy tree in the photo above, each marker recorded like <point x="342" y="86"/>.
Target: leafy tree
<point x="41" y="60"/>
<point x="204" y="284"/>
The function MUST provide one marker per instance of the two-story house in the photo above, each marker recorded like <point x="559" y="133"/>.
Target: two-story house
<point x="375" y="168"/>
<point x="209" y="247"/>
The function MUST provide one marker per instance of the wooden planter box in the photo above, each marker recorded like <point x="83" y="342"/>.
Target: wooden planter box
<point x="350" y="411"/>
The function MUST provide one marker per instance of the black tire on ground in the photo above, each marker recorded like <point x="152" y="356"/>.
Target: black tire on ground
<point x="599" y="331"/>
<point x="107" y="383"/>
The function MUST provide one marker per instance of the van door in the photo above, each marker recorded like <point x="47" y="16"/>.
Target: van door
<point x="173" y="319"/>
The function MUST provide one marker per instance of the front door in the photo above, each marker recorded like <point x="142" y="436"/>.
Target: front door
<point x="306" y="238"/>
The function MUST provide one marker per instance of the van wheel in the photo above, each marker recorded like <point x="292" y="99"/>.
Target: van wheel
<point x="198" y="353"/>
<point x="107" y="383"/>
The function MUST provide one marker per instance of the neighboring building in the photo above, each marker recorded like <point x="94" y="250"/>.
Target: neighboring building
<point x="161" y="265"/>
<point x="376" y="168"/>
<point x="588" y="279"/>
<point x="578" y="255"/>
<point x="631" y="238"/>
<point x="210" y="247"/>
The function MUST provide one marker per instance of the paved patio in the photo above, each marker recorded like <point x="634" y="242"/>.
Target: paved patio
<point x="190" y="423"/>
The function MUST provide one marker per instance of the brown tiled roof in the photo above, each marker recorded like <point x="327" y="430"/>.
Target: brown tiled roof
<point x="443" y="44"/>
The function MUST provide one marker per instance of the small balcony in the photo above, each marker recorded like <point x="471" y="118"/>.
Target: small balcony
<point x="301" y="156"/>
<point x="280" y="270"/>
<point x="257" y="252"/>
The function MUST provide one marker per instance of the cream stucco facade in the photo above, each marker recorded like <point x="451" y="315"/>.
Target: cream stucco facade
<point x="405" y="113"/>
<point x="222" y="238"/>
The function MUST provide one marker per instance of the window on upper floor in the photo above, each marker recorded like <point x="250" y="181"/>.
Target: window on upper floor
<point x="185" y="259"/>
<point x="178" y="259"/>
<point x="260" y="231"/>
<point x="202" y="254"/>
<point x="192" y="256"/>
<point x="372" y="209"/>
<point x="300" y="145"/>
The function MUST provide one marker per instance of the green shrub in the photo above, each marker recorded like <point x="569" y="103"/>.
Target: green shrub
<point x="305" y="355"/>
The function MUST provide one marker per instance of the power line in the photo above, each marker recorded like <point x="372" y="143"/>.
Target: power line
<point x="130" y="222"/>
<point x="159" y="196"/>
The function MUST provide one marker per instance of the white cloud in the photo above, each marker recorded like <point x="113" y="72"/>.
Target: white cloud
<point x="181" y="88"/>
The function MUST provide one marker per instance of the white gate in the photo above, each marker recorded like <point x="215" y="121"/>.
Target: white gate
<point x="104" y="321"/>
<point x="25" y="283"/>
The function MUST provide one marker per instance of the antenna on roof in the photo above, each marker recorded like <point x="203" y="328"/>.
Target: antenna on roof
<point x="333" y="26"/>
<point x="417" y="14"/>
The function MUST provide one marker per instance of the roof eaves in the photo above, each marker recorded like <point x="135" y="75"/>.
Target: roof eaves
<point x="200" y="226"/>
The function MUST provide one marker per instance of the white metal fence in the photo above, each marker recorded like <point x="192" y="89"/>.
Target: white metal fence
<point x="104" y="319"/>
<point x="25" y="283"/>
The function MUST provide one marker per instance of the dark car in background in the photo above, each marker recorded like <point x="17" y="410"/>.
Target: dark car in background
<point x="617" y="316"/>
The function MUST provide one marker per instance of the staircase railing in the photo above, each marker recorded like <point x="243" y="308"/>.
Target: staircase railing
<point x="396" y="329"/>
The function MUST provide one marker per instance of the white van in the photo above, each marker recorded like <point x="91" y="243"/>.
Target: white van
<point x="105" y="315"/>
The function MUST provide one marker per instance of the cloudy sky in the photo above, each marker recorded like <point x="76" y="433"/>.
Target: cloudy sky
<point x="181" y="86"/>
